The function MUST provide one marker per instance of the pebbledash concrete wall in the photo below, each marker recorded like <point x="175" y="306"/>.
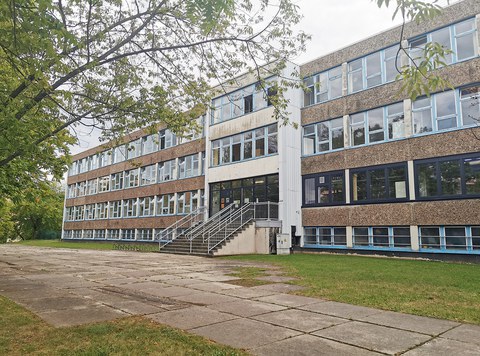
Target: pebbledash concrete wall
<point x="413" y="213"/>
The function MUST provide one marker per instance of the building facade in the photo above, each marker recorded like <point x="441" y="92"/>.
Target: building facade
<point x="369" y="170"/>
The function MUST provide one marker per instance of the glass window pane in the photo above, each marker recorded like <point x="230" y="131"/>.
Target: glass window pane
<point x="450" y="177"/>
<point x="401" y="237"/>
<point x="446" y="110"/>
<point x="470" y="102"/>
<point x="472" y="175"/>
<point x="360" y="236"/>
<point x="373" y="68"/>
<point x="442" y="37"/>
<point x="380" y="236"/>
<point x="337" y="188"/>
<point x="323" y="194"/>
<point x="309" y="189"/>
<point x="455" y="238"/>
<point x="377" y="184"/>
<point x="465" y="46"/>
<point x="427" y="179"/>
<point x="340" y="236"/>
<point x="310" y="236"/>
<point x="397" y="183"/>
<point x="359" y="186"/>
<point x="337" y="133"/>
<point x="430" y="237"/>
<point x="476" y="237"/>
<point x="375" y="125"/>
<point x="325" y="236"/>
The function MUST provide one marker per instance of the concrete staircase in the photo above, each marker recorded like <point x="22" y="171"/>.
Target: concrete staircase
<point x="183" y="246"/>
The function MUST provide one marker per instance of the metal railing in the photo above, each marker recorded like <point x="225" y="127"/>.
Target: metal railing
<point x="180" y="227"/>
<point x="234" y="219"/>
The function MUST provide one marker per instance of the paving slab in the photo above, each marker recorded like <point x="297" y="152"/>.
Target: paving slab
<point x="167" y="291"/>
<point x="247" y="293"/>
<point x="341" y="310"/>
<point x="206" y="298"/>
<point x="56" y="303"/>
<point x="213" y="286"/>
<point x="244" y="333"/>
<point x="300" y="320"/>
<point x="309" y="345"/>
<point x="192" y="317"/>
<point x="135" y="308"/>
<point x="71" y="317"/>
<point x="247" y="308"/>
<point x="279" y="287"/>
<point x="288" y="300"/>
<point x="415" y="323"/>
<point x="374" y="337"/>
<point x="445" y="347"/>
<point x="465" y="333"/>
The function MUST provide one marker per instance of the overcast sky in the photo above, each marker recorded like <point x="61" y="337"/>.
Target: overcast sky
<point x="333" y="24"/>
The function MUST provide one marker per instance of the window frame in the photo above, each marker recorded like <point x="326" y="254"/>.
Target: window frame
<point x="328" y="177"/>
<point x="385" y="168"/>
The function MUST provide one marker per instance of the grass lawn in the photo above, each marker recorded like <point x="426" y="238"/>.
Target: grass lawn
<point x="435" y="289"/>
<point x="24" y="333"/>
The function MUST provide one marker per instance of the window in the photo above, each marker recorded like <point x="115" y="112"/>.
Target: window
<point x="166" y="204"/>
<point x="324" y="189"/>
<point x="460" y="38"/>
<point x="325" y="236"/>
<point x="130" y="208"/>
<point x="146" y="206"/>
<point x="117" y="181"/>
<point x="128" y="234"/>
<point x="188" y="166"/>
<point x="238" y="103"/>
<point x="71" y="190"/>
<point x="115" y="209"/>
<point x="92" y="185"/>
<point x="79" y="212"/>
<point x="80" y="189"/>
<point x="67" y="234"/>
<point x="103" y="184"/>
<point x="113" y="234"/>
<point x="166" y="139"/>
<point x="448" y="177"/>
<point x="384" y="183"/>
<point x="134" y="149"/>
<point x="119" y="154"/>
<point x="323" y="136"/>
<point x="104" y="159"/>
<point x="470" y="105"/>
<point x="90" y="212"/>
<point x="256" y="143"/>
<point x="449" y="237"/>
<point x="99" y="234"/>
<point x="101" y="210"/>
<point x="166" y="171"/>
<point x="76" y="234"/>
<point x="88" y="234"/>
<point x="147" y="174"/>
<point x="377" y="125"/>
<point x="375" y="69"/>
<point x="132" y="178"/>
<point x="323" y="86"/>
<point x="72" y="170"/>
<point x="145" y="234"/>
<point x="94" y="162"/>
<point x="149" y="144"/>
<point x="69" y="213"/>
<point x="382" y="237"/>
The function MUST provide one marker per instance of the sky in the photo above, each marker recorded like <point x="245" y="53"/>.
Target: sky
<point x="333" y="24"/>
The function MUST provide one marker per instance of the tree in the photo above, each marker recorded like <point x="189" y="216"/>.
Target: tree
<point x="38" y="212"/>
<point x="119" y="66"/>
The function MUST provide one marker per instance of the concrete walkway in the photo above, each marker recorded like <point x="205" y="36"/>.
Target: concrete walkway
<point x="71" y="287"/>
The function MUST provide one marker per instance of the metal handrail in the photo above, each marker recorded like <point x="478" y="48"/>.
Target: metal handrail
<point x="169" y="234"/>
<point x="190" y="235"/>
